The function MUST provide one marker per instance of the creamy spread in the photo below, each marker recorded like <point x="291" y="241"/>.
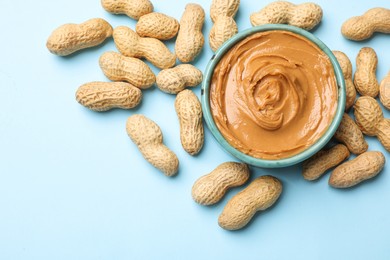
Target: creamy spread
<point x="273" y="94"/>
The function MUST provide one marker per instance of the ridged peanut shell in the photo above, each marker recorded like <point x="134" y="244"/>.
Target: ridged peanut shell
<point x="211" y="188"/>
<point x="346" y="68"/>
<point x="190" y="40"/>
<point x="223" y="29"/>
<point x="103" y="96"/>
<point x="147" y="135"/>
<point x="130" y="44"/>
<point x="383" y="133"/>
<point x="363" y="167"/>
<point x="117" y="67"/>
<point x="362" y="27"/>
<point x="316" y="166"/>
<point x="189" y="112"/>
<point x="368" y="115"/>
<point x="260" y="194"/>
<point x="158" y="26"/>
<point x="132" y="8"/>
<point x="365" y="75"/>
<point x="176" y="79"/>
<point x="384" y="91"/>
<point x="305" y="15"/>
<point x="227" y="8"/>
<point x="69" y="38"/>
<point x="349" y="134"/>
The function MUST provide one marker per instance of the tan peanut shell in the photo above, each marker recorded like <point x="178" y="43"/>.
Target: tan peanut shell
<point x="132" y="8"/>
<point x="190" y="40"/>
<point x="368" y="115"/>
<point x="157" y="25"/>
<point x="384" y="91"/>
<point x="383" y="133"/>
<point x="316" y="166"/>
<point x="346" y="67"/>
<point x="189" y="112"/>
<point x="223" y="8"/>
<point x="260" y="194"/>
<point x="362" y="27"/>
<point x="363" y="167"/>
<point x="210" y="189"/>
<point x="305" y="15"/>
<point x="147" y="135"/>
<point x="223" y="29"/>
<point x="369" y="118"/>
<point x="176" y="79"/>
<point x="103" y="96"/>
<point x="69" y="38"/>
<point x="365" y="79"/>
<point x="222" y="13"/>
<point x="131" y="45"/>
<point x="349" y="134"/>
<point x="117" y="67"/>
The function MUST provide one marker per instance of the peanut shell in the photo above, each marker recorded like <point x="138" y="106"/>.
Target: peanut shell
<point x="316" y="166"/>
<point x="365" y="79"/>
<point x="189" y="112"/>
<point x="70" y="37"/>
<point x="176" y="79"/>
<point x="305" y="15"/>
<point x="346" y="67"/>
<point x="226" y="8"/>
<point x="260" y="194"/>
<point x="147" y="135"/>
<point x="363" y="167"/>
<point x="223" y="29"/>
<point x="384" y="91"/>
<point x="131" y="45"/>
<point x="211" y="188"/>
<point x="103" y="96"/>
<point x="222" y="13"/>
<point x="362" y="27"/>
<point x="132" y="8"/>
<point x="369" y="118"/>
<point x="368" y="115"/>
<point x="190" y="40"/>
<point x="349" y="134"/>
<point x="158" y="26"/>
<point x="117" y="67"/>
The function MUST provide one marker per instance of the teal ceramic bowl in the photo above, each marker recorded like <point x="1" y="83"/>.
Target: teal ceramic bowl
<point x="285" y="161"/>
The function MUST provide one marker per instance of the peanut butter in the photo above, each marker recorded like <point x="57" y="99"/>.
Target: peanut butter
<point x="273" y="94"/>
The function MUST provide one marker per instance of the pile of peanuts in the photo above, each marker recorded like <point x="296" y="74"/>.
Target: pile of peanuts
<point x="369" y="121"/>
<point x="129" y="75"/>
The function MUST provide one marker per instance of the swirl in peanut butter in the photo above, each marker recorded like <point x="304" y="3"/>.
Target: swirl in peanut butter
<point x="273" y="94"/>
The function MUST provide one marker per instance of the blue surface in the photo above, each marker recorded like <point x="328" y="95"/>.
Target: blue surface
<point x="73" y="186"/>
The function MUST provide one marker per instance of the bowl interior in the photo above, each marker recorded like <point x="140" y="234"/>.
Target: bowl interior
<point x="205" y="98"/>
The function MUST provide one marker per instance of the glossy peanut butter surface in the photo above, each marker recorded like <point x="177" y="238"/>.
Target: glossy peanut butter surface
<point x="273" y="94"/>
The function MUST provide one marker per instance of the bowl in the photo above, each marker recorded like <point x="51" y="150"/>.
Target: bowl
<point x="272" y="163"/>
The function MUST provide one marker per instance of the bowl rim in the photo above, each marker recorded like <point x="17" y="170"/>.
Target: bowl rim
<point x="270" y="163"/>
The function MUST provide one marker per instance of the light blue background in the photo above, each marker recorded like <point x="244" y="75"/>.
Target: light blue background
<point x="73" y="185"/>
